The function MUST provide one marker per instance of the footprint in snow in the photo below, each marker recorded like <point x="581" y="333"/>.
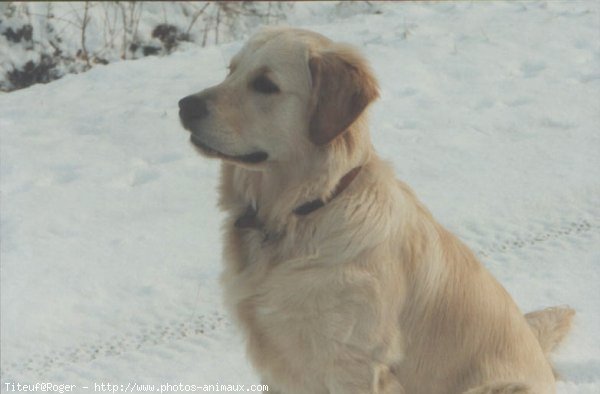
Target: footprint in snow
<point x="532" y="69"/>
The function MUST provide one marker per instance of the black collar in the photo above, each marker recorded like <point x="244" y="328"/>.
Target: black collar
<point x="249" y="219"/>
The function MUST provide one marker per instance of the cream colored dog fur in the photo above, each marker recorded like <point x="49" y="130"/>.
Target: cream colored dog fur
<point x="366" y="292"/>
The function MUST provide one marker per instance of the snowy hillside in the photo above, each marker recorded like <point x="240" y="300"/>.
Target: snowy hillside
<point x="110" y="240"/>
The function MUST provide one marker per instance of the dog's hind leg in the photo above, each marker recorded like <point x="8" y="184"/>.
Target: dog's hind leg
<point x="501" y="388"/>
<point x="363" y="377"/>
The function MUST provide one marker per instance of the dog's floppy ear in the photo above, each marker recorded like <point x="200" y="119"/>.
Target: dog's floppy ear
<point x="343" y="86"/>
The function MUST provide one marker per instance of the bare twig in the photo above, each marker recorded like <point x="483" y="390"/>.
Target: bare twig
<point x="110" y="24"/>
<point x="58" y="18"/>
<point x="84" y="23"/>
<point x="135" y="19"/>
<point x="124" y="19"/>
<point x="205" y="33"/>
<point x="217" y="26"/>
<point x="195" y="17"/>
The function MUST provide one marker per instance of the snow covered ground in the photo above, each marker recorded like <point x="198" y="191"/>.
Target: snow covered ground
<point x="110" y="241"/>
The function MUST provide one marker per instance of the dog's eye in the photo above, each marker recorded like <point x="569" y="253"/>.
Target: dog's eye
<point x="263" y="84"/>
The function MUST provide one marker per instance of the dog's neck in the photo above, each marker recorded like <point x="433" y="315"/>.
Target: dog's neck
<point x="250" y="220"/>
<point x="271" y="197"/>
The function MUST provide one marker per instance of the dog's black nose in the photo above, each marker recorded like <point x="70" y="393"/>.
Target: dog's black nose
<point x="192" y="107"/>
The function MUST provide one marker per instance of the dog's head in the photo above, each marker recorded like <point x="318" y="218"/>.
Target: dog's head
<point x="287" y="91"/>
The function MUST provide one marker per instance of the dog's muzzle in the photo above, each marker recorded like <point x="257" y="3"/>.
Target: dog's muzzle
<point x="192" y="109"/>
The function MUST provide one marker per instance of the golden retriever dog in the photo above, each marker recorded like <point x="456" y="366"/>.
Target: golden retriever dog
<point x="340" y="279"/>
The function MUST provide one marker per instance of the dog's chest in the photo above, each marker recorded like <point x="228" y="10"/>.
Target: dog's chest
<point x="295" y="309"/>
<point x="289" y="313"/>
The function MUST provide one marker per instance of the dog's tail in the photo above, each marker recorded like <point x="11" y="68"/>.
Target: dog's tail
<point x="550" y="325"/>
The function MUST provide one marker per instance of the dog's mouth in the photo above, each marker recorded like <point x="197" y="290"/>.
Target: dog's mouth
<point x="251" y="158"/>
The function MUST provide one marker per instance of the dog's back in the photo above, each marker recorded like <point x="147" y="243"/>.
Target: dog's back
<point x="463" y="325"/>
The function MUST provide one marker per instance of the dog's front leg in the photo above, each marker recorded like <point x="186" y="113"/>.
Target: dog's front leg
<point x="356" y="377"/>
<point x="270" y="388"/>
